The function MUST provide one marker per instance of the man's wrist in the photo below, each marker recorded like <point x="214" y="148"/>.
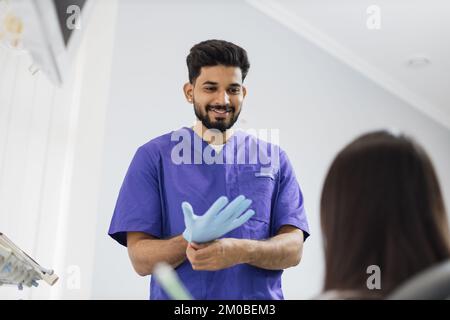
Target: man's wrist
<point x="245" y="250"/>
<point x="180" y="241"/>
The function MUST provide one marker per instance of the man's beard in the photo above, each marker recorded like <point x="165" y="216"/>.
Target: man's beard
<point x="221" y="125"/>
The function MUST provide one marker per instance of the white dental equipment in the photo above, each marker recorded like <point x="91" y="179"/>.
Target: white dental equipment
<point x="18" y="268"/>
<point x="169" y="281"/>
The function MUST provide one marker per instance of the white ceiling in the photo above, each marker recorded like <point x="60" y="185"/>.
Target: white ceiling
<point x="408" y="28"/>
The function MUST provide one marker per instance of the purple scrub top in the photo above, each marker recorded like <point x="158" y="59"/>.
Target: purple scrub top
<point x="177" y="167"/>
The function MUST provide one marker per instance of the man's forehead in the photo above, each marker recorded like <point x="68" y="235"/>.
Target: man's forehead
<point x="220" y="74"/>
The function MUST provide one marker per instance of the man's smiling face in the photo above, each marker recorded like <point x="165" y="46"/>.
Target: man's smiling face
<point x="217" y="95"/>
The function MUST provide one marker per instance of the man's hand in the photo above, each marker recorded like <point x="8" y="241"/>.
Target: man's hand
<point x="215" y="255"/>
<point x="282" y="251"/>
<point x="221" y="218"/>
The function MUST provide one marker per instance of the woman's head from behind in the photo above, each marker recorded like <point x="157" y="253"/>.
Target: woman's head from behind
<point x="381" y="205"/>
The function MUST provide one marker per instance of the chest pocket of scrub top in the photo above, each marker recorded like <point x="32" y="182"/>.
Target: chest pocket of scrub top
<point x="260" y="188"/>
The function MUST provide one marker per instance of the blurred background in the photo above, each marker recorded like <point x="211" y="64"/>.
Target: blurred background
<point x="75" y="107"/>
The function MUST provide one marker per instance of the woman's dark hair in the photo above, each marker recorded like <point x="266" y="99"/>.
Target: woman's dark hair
<point x="213" y="53"/>
<point x="381" y="205"/>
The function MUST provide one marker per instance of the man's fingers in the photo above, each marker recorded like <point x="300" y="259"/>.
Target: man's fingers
<point x="241" y="220"/>
<point x="203" y="266"/>
<point x="244" y="205"/>
<point x="190" y="249"/>
<point x="188" y="213"/>
<point x="199" y="259"/>
<point x="238" y="204"/>
<point x="203" y="251"/>
<point x="198" y="246"/>
<point x="218" y="205"/>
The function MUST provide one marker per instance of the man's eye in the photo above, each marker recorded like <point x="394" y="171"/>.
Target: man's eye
<point x="235" y="90"/>
<point x="210" y="88"/>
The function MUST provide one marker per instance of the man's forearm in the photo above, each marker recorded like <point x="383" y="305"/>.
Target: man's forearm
<point x="147" y="252"/>
<point x="279" y="252"/>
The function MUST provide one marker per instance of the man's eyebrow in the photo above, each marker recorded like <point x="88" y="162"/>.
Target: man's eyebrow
<point x="212" y="83"/>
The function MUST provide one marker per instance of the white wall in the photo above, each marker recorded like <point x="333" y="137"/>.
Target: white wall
<point x="318" y="104"/>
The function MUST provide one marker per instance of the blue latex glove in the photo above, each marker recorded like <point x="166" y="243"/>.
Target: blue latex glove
<point x="221" y="218"/>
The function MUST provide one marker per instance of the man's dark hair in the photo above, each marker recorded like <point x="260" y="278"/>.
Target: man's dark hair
<point x="214" y="53"/>
<point x="381" y="205"/>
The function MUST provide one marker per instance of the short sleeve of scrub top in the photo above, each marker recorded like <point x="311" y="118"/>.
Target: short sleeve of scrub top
<point x="289" y="207"/>
<point x="138" y="206"/>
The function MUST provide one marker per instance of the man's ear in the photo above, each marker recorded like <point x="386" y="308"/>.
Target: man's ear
<point x="244" y="91"/>
<point x="188" y="89"/>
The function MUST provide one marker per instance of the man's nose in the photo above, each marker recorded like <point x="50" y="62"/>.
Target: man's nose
<point x="222" y="98"/>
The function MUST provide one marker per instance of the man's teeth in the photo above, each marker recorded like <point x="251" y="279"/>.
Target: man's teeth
<point x="221" y="111"/>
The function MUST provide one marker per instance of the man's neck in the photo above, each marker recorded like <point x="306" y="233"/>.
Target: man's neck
<point x="212" y="136"/>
